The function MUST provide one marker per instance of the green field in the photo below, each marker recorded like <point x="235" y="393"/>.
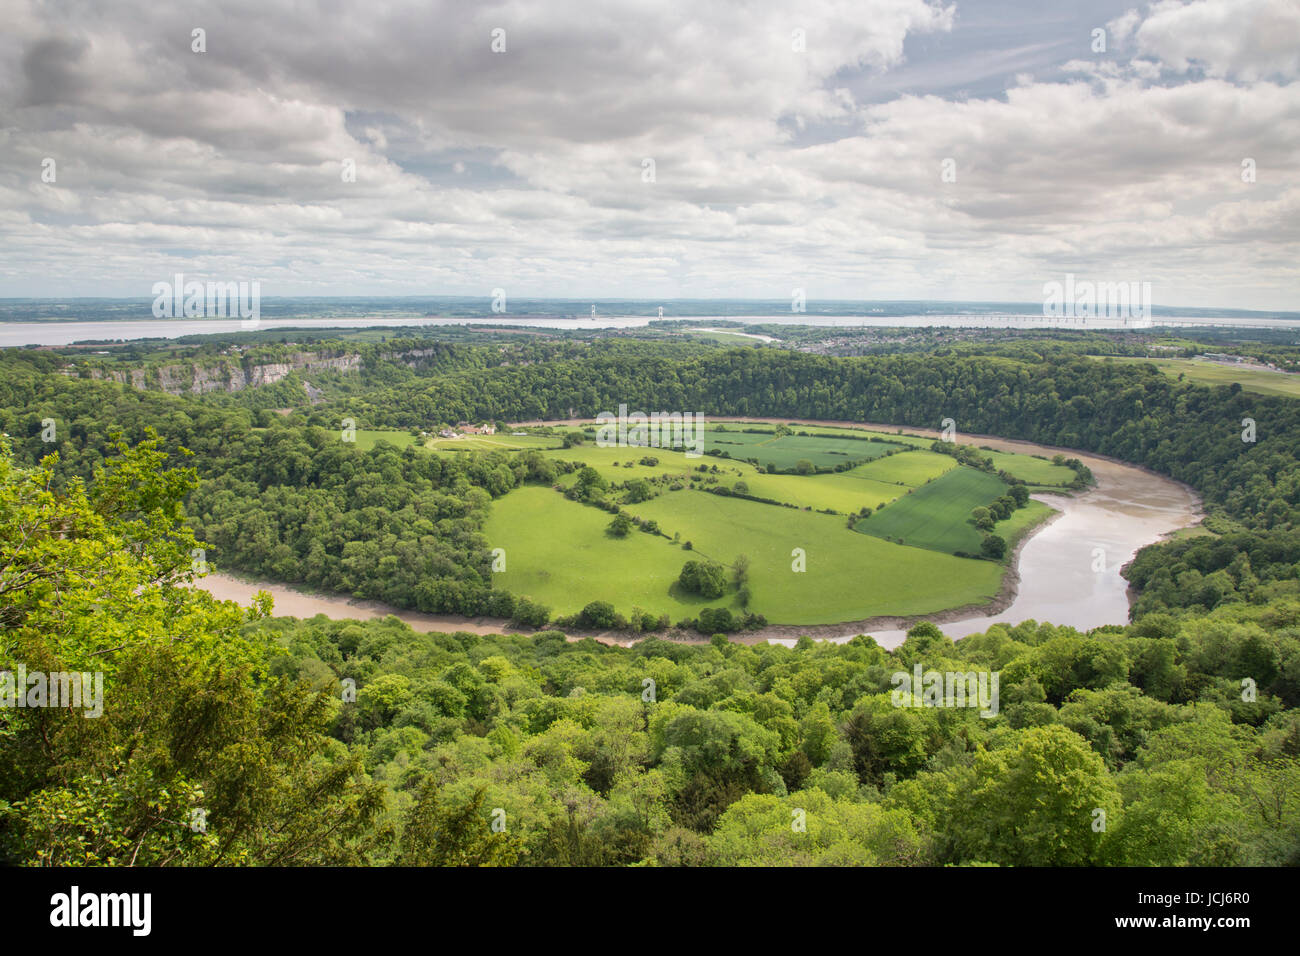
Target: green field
<point x="868" y="485"/>
<point x="937" y="515"/>
<point x="501" y="441"/>
<point x="832" y="431"/>
<point x="786" y="451"/>
<point x="1259" y="381"/>
<point x="1021" y="522"/>
<point x="842" y="493"/>
<point x="911" y="469"/>
<point x="1033" y="471"/>
<point x="557" y="552"/>
<point x="612" y="462"/>
<point x="368" y="437"/>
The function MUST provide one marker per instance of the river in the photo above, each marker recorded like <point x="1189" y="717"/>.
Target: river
<point x="1068" y="570"/>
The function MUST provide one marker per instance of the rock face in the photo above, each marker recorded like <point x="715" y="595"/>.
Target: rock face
<point x="228" y="375"/>
<point x="134" y="377"/>
<point x="233" y="375"/>
<point x="411" y="357"/>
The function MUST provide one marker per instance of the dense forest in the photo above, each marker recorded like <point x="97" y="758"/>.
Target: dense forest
<point x="1174" y="740"/>
<point x="335" y="742"/>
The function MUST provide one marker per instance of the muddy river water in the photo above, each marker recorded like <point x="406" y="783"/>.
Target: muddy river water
<point x="1068" y="570"/>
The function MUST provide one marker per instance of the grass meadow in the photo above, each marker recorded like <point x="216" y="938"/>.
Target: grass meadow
<point x="557" y="552"/>
<point x="937" y="515"/>
<point x="786" y="451"/>
<point x="1031" y="470"/>
<point x="1259" y="381"/>
<point x="367" y="438"/>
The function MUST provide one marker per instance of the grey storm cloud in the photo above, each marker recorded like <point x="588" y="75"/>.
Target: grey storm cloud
<point x="50" y="70"/>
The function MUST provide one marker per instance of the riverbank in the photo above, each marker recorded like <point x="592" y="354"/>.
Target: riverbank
<point x="291" y="601"/>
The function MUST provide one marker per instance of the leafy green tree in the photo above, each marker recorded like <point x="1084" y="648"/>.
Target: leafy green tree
<point x="705" y="578"/>
<point x="591" y="484"/>
<point x="531" y="614"/>
<point x="994" y="546"/>
<point x="712" y="758"/>
<point x="437" y="834"/>
<point x="200" y="756"/>
<point x="810" y="828"/>
<point x="716" y="620"/>
<point x="817" y="730"/>
<point x="638" y="490"/>
<point x="924" y="644"/>
<point x="1173" y="817"/>
<point x="1034" y="803"/>
<point x="888" y="739"/>
<point x="598" y="614"/>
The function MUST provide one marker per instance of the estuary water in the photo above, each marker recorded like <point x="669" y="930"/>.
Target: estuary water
<point x="19" y="334"/>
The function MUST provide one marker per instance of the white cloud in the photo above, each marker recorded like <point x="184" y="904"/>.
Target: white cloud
<point x="1246" y="39"/>
<point x="1121" y="28"/>
<point x="523" y="169"/>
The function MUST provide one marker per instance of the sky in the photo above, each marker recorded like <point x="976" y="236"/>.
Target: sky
<point x="851" y="149"/>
